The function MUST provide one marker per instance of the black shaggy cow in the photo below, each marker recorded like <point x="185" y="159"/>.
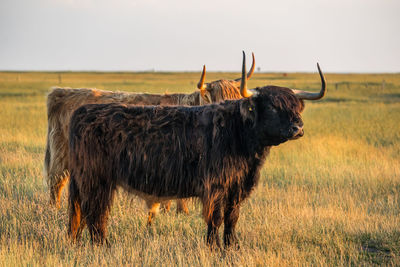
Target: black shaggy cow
<point x="212" y="152"/>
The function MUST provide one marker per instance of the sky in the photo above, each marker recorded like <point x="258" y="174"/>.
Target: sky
<point x="175" y="35"/>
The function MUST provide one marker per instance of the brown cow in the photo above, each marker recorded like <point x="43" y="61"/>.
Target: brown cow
<point x="61" y="102"/>
<point x="212" y="152"/>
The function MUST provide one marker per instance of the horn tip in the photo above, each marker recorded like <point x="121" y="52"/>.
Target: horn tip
<point x="200" y="85"/>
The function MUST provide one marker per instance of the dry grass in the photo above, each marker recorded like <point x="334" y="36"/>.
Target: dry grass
<point x="330" y="198"/>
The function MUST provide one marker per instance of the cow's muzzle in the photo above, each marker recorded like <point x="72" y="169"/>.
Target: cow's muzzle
<point x="296" y="132"/>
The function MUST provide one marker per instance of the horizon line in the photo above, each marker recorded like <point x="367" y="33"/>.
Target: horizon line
<point x="188" y="71"/>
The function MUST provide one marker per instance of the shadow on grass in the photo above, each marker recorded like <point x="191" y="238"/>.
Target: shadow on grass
<point x="379" y="249"/>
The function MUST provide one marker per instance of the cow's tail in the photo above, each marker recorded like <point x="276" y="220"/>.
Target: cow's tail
<point x="47" y="157"/>
<point x="48" y="167"/>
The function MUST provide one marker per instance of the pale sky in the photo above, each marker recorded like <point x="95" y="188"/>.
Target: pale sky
<point x="174" y="35"/>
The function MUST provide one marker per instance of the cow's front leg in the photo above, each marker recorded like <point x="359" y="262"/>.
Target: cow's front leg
<point x="212" y="212"/>
<point x="231" y="216"/>
<point x="154" y="208"/>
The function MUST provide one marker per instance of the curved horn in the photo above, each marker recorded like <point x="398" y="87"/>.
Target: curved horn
<point x="253" y="66"/>
<point x="243" y="84"/>
<point x="310" y="95"/>
<point x="251" y="71"/>
<point x="201" y="85"/>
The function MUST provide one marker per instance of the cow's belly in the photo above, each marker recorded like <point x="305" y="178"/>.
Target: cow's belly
<point x="149" y="193"/>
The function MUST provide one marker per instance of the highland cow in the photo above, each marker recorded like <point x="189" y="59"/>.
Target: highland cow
<point x="212" y="152"/>
<point x="61" y="102"/>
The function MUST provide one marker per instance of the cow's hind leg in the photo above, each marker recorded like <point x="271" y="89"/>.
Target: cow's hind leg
<point x="97" y="224"/>
<point x="166" y="205"/>
<point x="57" y="183"/>
<point x="56" y="165"/>
<point x="96" y="210"/>
<point x="76" y="222"/>
<point x="181" y="206"/>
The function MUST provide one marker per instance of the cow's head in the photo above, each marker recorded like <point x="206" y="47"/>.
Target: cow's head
<point x="275" y="112"/>
<point x="218" y="91"/>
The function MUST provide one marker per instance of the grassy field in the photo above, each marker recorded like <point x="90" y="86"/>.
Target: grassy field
<point x="329" y="198"/>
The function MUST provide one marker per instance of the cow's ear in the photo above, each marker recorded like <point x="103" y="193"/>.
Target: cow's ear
<point x="248" y="110"/>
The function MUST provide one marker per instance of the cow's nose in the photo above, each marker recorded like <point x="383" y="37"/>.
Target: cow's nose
<point x="297" y="130"/>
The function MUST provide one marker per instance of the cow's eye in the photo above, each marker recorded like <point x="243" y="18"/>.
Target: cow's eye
<point x="296" y="120"/>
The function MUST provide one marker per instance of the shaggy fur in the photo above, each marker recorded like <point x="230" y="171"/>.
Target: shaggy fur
<point x="212" y="152"/>
<point x="61" y="102"/>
